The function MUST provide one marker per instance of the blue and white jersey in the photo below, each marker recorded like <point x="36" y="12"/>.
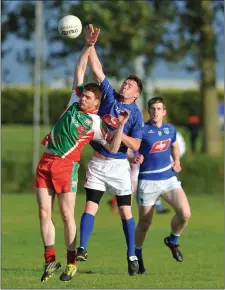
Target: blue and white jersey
<point x="109" y="110"/>
<point x="156" y="149"/>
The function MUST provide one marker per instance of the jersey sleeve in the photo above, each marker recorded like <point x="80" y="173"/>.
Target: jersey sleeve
<point x="76" y="93"/>
<point x="109" y="93"/>
<point x="137" y="128"/>
<point x="141" y="149"/>
<point x="100" y="131"/>
<point x="174" y="137"/>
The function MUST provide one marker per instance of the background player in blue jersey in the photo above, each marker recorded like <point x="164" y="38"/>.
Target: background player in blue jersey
<point x="157" y="177"/>
<point x="111" y="172"/>
<point x="134" y="180"/>
<point x="159" y="208"/>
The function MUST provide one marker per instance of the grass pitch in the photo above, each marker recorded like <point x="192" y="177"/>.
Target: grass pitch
<point x="202" y="245"/>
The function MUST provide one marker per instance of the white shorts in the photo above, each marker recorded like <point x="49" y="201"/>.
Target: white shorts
<point x="149" y="191"/>
<point x="111" y="175"/>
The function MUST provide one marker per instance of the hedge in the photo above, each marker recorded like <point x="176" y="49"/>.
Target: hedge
<point x="201" y="174"/>
<point x="17" y="104"/>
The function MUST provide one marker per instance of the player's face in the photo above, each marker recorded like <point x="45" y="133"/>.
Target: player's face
<point x="157" y="112"/>
<point x="88" y="101"/>
<point x="129" y="90"/>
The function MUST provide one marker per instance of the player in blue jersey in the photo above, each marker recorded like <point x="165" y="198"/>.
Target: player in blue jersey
<point x="111" y="172"/>
<point x="134" y="180"/>
<point x="157" y="177"/>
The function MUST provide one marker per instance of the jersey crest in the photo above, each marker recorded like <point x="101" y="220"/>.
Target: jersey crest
<point x="110" y="120"/>
<point x="81" y="129"/>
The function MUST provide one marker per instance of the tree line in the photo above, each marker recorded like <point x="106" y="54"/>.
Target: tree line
<point x="186" y="32"/>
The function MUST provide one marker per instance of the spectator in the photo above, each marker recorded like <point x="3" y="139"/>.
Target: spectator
<point x="193" y="124"/>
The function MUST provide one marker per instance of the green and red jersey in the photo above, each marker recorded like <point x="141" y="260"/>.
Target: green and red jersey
<point x="74" y="129"/>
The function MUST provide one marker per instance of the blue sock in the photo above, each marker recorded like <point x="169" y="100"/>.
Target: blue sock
<point x="86" y="227"/>
<point x="138" y="253"/>
<point x="173" y="238"/>
<point x="129" y="231"/>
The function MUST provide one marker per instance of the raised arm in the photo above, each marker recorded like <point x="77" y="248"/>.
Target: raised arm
<point x="91" y="37"/>
<point x="81" y="66"/>
<point x="95" y="63"/>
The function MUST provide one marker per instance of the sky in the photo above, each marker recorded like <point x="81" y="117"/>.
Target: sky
<point x="20" y="73"/>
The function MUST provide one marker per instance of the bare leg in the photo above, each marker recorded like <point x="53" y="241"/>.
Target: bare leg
<point x="144" y="222"/>
<point x="66" y="207"/>
<point x="178" y="200"/>
<point x="45" y="199"/>
<point x="91" y="207"/>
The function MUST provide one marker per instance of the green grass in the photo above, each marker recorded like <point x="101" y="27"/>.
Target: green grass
<point x="202" y="245"/>
<point x="17" y="141"/>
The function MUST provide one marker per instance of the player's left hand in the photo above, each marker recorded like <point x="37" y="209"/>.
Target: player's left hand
<point x="123" y="117"/>
<point x="176" y="166"/>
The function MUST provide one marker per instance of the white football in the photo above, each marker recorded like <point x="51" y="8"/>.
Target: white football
<point x="70" y="26"/>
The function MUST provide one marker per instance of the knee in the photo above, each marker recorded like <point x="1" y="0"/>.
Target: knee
<point x="91" y="207"/>
<point x="44" y="214"/>
<point x="185" y="215"/>
<point x="67" y="216"/>
<point x="144" y="225"/>
<point x="125" y="212"/>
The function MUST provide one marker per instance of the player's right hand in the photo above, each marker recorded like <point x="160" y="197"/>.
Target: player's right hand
<point x="139" y="159"/>
<point x="176" y="166"/>
<point x="91" y="34"/>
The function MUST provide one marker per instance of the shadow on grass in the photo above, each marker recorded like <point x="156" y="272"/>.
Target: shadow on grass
<point x="86" y="272"/>
<point x="38" y="270"/>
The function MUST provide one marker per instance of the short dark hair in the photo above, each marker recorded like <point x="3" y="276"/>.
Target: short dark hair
<point x="137" y="80"/>
<point x="157" y="100"/>
<point x="94" y="88"/>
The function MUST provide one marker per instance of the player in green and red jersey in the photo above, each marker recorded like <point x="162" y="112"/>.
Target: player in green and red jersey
<point x="56" y="172"/>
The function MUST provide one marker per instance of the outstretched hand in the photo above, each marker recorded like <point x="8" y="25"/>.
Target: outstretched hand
<point x="123" y="117"/>
<point x="91" y="34"/>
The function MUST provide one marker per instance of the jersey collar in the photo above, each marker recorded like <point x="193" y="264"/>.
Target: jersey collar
<point x="93" y="111"/>
<point x="155" y="126"/>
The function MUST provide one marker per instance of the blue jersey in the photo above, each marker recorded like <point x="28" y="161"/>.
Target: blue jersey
<point x="156" y="149"/>
<point x="109" y="110"/>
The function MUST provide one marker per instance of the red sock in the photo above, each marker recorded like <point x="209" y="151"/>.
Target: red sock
<point x="71" y="257"/>
<point x="49" y="255"/>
